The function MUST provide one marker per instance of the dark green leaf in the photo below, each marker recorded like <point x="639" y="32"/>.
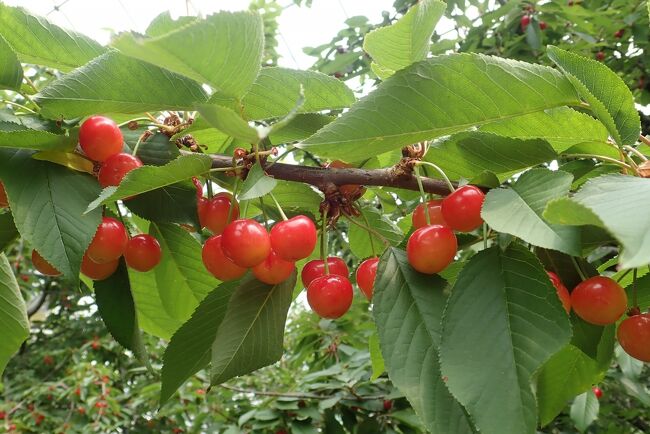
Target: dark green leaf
<point x="175" y="203"/>
<point x="8" y="231"/>
<point x="13" y="321"/>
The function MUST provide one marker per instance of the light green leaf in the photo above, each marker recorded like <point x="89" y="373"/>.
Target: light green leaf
<point x="164" y="23"/>
<point x="584" y="410"/>
<point x="13" y="321"/>
<point x="296" y="197"/>
<point x="11" y="74"/>
<point x="206" y="135"/>
<point x="257" y="184"/>
<point x="229" y="122"/>
<point x="301" y="127"/>
<point x="152" y="316"/>
<point x="364" y="243"/>
<point x="376" y="359"/>
<point x="24" y="138"/>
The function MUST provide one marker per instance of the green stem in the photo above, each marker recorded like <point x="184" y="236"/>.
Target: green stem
<point x="485" y="235"/>
<point x="121" y="217"/>
<point x="370" y="230"/>
<point x="125" y="123"/>
<point x="635" y="301"/>
<point x="323" y="243"/>
<point x="18" y="105"/>
<point x="225" y="169"/>
<point x="578" y="269"/>
<point x="372" y="242"/>
<point x="441" y="172"/>
<point x="234" y="198"/>
<point x="245" y="208"/>
<point x="635" y="152"/>
<point x="600" y="158"/>
<point x="208" y="184"/>
<point x="277" y="204"/>
<point x="137" y="144"/>
<point x="423" y="195"/>
<point x="266" y="218"/>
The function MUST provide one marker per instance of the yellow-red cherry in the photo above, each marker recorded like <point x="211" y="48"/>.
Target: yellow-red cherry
<point x="96" y="271"/>
<point x="100" y="138"/>
<point x="295" y="238"/>
<point x="43" y="266"/>
<point x="109" y="242"/>
<point x="274" y="269"/>
<point x="431" y="249"/>
<point x="366" y="273"/>
<point x="316" y="268"/>
<point x="462" y="208"/>
<point x="143" y="252"/>
<point x="562" y="291"/>
<point x="435" y="214"/>
<point x="115" y="168"/>
<point x="4" y="202"/>
<point x="217" y="263"/>
<point x="634" y="336"/>
<point x="330" y="296"/>
<point x="213" y="213"/>
<point x="246" y="242"/>
<point x="599" y="300"/>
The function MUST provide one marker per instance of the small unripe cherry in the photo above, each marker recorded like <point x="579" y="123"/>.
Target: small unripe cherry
<point x="462" y="208"/>
<point x="431" y="249"/>
<point x="4" y="202"/>
<point x="294" y="239"/>
<point x="246" y="242"/>
<point x="142" y="252"/>
<point x="213" y="213"/>
<point x="435" y="214"/>
<point x="599" y="300"/>
<point x="597" y="391"/>
<point x="100" y="138"/>
<point x="316" y="268"/>
<point x="273" y="269"/>
<point x="634" y="336"/>
<point x="366" y="274"/>
<point x="109" y="242"/>
<point x="43" y="266"/>
<point x="562" y="291"/>
<point x="330" y="296"/>
<point x="115" y="168"/>
<point x="217" y="263"/>
<point x="97" y="271"/>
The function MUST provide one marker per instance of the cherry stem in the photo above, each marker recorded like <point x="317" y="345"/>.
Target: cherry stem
<point x="635" y="301"/>
<point x="578" y="269"/>
<point x="19" y="106"/>
<point x="277" y="204"/>
<point x="245" y="208"/>
<point x="125" y="123"/>
<point x="266" y="218"/>
<point x="372" y="242"/>
<point x="601" y="158"/>
<point x="635" y="152"/>
<point x="486" y="232"/>
<point x="644" y="139"/>
<point x="226" y="169"/>
<point x="440" y="171"/>
<point x="323" y="243"/>
<point x="234" y="197"/>
<point x="208" y="184"/>
<point x="121" y="217"/>
<point x="370" y="230"/>
<point x="137" y="144"/>
<point x="423" y="195"/>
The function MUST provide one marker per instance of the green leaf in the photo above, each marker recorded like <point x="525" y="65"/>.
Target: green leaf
<point x="407" y="309"/>
<point x="206" y="135"/>
<point x="301" y="127"/>
<point x="440" y="96"/>
<point x="252" y="331"/>
<point x="503" y="316"/>
<point x="226" y="50"/>
<point x="295" y="197"/>
<point x="257" y="184"/>
<point x="38" y="41"/>
<point x="174" y="203"/>
<point x="48" y="208"/>
<point x="611" y="202"/>
<point x="584" y="410"/>
<point x="517" y="210"/>
<point x="229" y="122"/>
<point x="11" y="74"/>
<point x="642" y="289"/>
<point x="407" y="40"/>
<point x="364" y="243"/>
<point x="115" y="83"/>
<point x="8" y="231"/>
<point x="164" y="23"/>
<point x="156" y="150"/>
<point x="31" y="133"/>
<point x="607" y="94"/>
<point x="13" y="321"/>
<point x="376" y="359"/>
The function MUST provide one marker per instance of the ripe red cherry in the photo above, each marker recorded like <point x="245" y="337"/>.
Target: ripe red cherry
<point x="435" y="214"/>
<point x="330" y="296"/>
<point x="245" y="242"/>
<point x="525" y="20"/>
<point x="142" y="252"/>
<point x="462" y="208"/>
<point x="634" y="336"/>
<point x="273" y="269"/>
<point x="217" y="263"/>
<point x="599" y="300"/>
<point x="100" y="138"/>
<point x="97" y="271"/>
<point x="597" y="392"/>
<point x="116" y="167"/>
<point x="600" y="56"/>
<point x="109" y="243"/>
<point x="542" y="25"/>
<point x="43" y="266"/>
<point x="4" y="202"/>
<point x="431" y="248"/>
<point x="213" y="213"/>
<point x="562" y="292"/>
<point x="316" y="268"/>
<point x="295" y="238"/>
<point x="388" y="404"/>
<point x="366" y="274"/>
<point x="619" y="33"/>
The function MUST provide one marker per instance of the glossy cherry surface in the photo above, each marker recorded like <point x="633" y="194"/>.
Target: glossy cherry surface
<point x="213" y="213"/>
<point x="115" y="168"/>
<point x="109" y="242"/>
<point x="97" y="271"/>
<point x="634" y="336"/>
<point x="431" y="249"/>
<point x="599" y="300"/>
<point x="4" y="202"/>
<point x="597" y="391"/>
<point x="366" y="273"/>
<point x="316" y="268"/>
<point x="273" y="269"/>
<point x="217" y="263"/>
<point x="143" y="252"/>
<point x="100" y="138"/>
<point x="295" y="238"/>
<point x="330" y="296"/>
<point x="43" y="266"/>
<point x="246" y="242"/>
<point x="462" y="208"/>
<point x="435" y="214"/>
<point x="562" y="291"/>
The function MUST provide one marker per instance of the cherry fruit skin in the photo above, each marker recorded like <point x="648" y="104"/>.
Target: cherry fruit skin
<point x="4" y="202"/>
<point x="366" y="273"/>
<point x="599" y="300"/>
<point x="246" y="242"/>
<point x="543" y="25"/>
<point x="109" y="243"/>
<point x="295" y="238"/>
<point x="316" y="268"/>
<point x="217" y="263"/>
<point x="143" y="252"/>
<point x="43" y="266"/>
<point x="100" y="138"/>
<point x="525" y="21"/>
<point x="274" y="269"/>
<point x="600" y="56"/>
<point x="213" y="213"/>
<point x="562" y="291"/>
<point x="435" y="214"/>
<point x="330" y="296"/>
<point x="597" y="391"/>
<point x="431" y="249"/>
<point x="116" y="167"/>
<point x="462" y="208"/>
<point x="634" y="336"/>
<point x="97" y="271"/>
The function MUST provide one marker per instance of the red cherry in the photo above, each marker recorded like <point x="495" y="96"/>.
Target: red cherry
<point x="619" y="33"/>
<point x="100" y="138"/>
<point x="295" y="238"/>
<point x="316" y="268"/>
<point x="217" y="263"/>
<point x="43" y="266"/>
<point x="462" y="208"/>
<point x="48" y="360"/>
<point x="273" y="269"/>
<point x="213" y="213"/>
<point x="435" y="214"/>
<point x="12" y="427"/>
<point x="431" y="248"/>
<point x="97" y="271"/>
<point x="142" y="252"/>
<point x="388" y="404"/>
<point x="562" y="292"/>
<point x="246" y="242"/>
<point x="330" y="296"/>
<point x="525" y="20"/>
<point x="3" y="415"/>
<point x="366" y="273"/>
<point x="600" y="56"/>
<point x="95" y="345"/>
<point x="599" y="300"/>
<point x="542" y="25"/>
<point x="109" y="243"/>
<point x="116" y="167"/>
<point x="597" y="392"/>
<point x="4" y="202"/>
<point x="634" y="336"/>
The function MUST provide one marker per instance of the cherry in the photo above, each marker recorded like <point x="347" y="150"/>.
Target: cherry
<point x="525" y="20"/>
<point x="116" y="167"/>
<point x="274" y="269"/>
<point x="109" y="243"/>
<point x="330" y="296"/>
<point x="366" y="273"/>
<point x="462" y="208"/>
<point x="4" y="202"/>
<point x="619" y="33"/>
<point x="599" y="300"/>
<point x="246" y="242"/>
<point x="431" y="249"/>
<point x="597" y="392"/>
<point x="43" y="266"/>
<point x="634" y="336"/>
<point x="388" y="405"/>
<point x="600" y="56"/>
<point x="295" y="238"/>
<point x="316" y="268"/>
<point x="562" y="292"/>
<point x="3" y="415"/>
<point x="213" y="213"/>
<point x="48" y="360"/>
<point x="142" y="252"/>
<point x="435" y="214"/>
<point x="100" y="138"/>
<point x="542" y="25"/>
<point x="217" y="263"/>
<point x="97" y="271"/>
